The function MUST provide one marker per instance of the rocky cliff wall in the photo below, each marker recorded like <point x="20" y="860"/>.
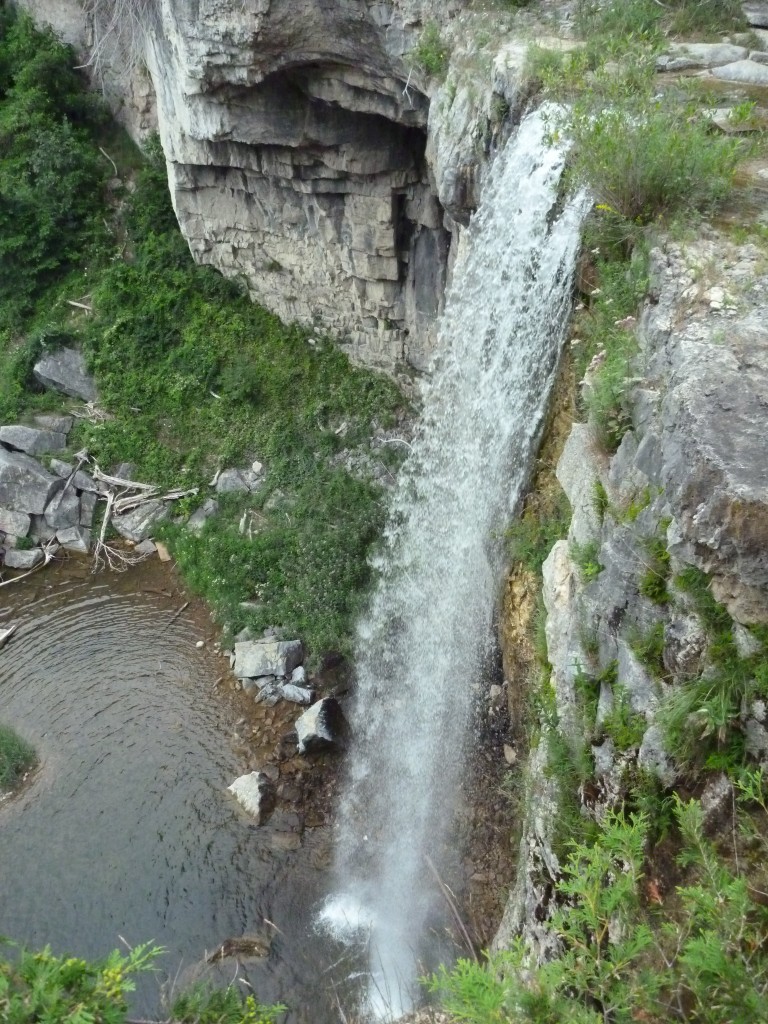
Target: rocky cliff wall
<point x="686" y="490"/>
<point x="308" y="155"/>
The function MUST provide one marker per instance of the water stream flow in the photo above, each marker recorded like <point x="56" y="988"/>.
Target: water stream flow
<point x="426" y="635"/>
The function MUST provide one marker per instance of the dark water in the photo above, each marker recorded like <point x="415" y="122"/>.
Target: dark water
<point x="126" y="829"/>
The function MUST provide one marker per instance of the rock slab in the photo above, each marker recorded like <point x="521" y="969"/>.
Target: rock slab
<point x="65" y="371"/>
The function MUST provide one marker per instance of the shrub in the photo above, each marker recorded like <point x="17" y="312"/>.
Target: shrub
<point x="544" y="520"/>
<point x="51" y="176"/>
<point x="646" y="157"/>
<point x="432" y="53"/>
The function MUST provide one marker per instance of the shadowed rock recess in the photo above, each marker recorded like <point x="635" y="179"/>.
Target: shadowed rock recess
<point x="295" y="148"/>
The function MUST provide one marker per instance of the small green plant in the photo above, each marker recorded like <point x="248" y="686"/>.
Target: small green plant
<point x="648" y="646"/>
<point x="586" y="557"/>
<point x="16" y="758"/>
<point x="431" y="52"/>
<point x="544" y="520"/>
<point x="600" y="500"/>
<point x="625" y="726"/>
<point x="653" y="582"/>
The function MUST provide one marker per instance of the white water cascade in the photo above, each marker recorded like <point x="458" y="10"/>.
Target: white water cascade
<point x="427" y="632"/>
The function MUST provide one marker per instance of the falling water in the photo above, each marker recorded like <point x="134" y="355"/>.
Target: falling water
<point x="427" y="632"/>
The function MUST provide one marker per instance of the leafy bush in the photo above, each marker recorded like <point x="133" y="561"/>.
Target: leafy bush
<point x="702" y="717"/>
<point x="51" y="175"/>
<point x="41" y="987"/>
<point x="432" y="53"/>
<point x="646" y="156"/>
<point x="16" y="757"/>
<point x="707" y="962"/>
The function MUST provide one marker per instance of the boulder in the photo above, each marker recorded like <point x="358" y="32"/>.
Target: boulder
<point x="65" y="371"/>
<point x="24" y="485"/>
<point x="320" y="726"/>
<point x="682" y="56"/>
<point x="756" y="13"/>
<point x="32" y="440"/>
<point x="58" y="424"/>
<point x="139" y="524"/>
<point x="198" y="519"/>
<point x="75" y="538"/>
<point x="15" y="559"/>
<point x="746" y="72"/>
<point x="63" y="510"/>
<point x="255" y="793"/>
<point x="232" y="481"/>
<point x="17" y="524"/>
<point x="267" y="657"/>
<point x="40" y="531"/>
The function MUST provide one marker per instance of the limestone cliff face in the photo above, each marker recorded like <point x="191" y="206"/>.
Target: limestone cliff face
<point x="305" y="156"/>
<point x="689" y="479"/>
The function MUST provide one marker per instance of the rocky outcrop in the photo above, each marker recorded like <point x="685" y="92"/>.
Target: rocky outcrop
<point x="687" y="487"/>
<point x="308" y="154"/>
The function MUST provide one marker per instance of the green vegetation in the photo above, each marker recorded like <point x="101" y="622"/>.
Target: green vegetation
<point x="16" y="758"/>
<point x="587" y="559"/>
<point x="41" y="988"/>
<point x="628" y="954"/>
<point x="51" y="173"/>
<point x="649" y="648"/>
<point x="195" y="376"/>
<point x="702" y="718"/>
<point x="544" y="520"/>
<point x="625" y="726"/>
<point x="653" y="582"/>
<point x="645" y="23"/>
<point x="431" y="52"/>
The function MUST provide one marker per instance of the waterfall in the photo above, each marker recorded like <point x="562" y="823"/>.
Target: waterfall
<point x="426" y="635"/>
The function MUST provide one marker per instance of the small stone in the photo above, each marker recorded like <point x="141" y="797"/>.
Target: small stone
<point x="244" y="635"/>
<point x="267" y="657"/>
<point x="296" y="694"/>
<point x="200" y="516"/>
<point x="145" y="548"/>
<point x="200" y="644"/>
<point x="138" y="524"/>
<point x="231" y="481"/>
<point x="162" y="552"/>
<point x="510" y="754"/>
<point x="495" y="691"/>
<point x="299" y="675"/>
